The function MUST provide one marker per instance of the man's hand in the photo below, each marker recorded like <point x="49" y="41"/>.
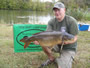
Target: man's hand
<point x="70" y="42"/>
<point x="36" y="42"/>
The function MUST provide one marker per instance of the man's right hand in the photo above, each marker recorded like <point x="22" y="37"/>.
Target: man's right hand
<point x="36" y="42"/>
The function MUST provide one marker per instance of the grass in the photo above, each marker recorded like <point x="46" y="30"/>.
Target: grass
<point x="9" y="59"/>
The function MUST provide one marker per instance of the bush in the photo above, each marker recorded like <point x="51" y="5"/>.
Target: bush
<point x="87" y="16"/>
<point x="76" y="13"/>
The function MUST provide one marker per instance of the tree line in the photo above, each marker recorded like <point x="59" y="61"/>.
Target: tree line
<point x="84" y="4"/>
<point x="75" y="8"/>
<point x="24" y="4"/>
<point x="36" y="5"/>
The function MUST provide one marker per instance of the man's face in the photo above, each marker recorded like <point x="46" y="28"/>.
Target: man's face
<point x="59" y="13"/>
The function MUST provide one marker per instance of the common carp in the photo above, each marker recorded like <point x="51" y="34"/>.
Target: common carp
<point x="48" y="38"/>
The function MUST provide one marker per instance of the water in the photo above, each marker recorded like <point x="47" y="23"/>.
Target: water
<point x="24" y="17"/>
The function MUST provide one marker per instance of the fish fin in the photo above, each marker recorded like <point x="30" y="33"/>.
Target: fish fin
<point x="26" y="44"/>
<point x="61" y="46"/>
<point x="41" y="32"/>
<point x="38" y="33"/>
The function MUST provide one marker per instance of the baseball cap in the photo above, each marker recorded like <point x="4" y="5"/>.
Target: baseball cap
<point x="58" y="5"/>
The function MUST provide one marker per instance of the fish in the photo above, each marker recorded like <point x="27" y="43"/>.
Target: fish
<point x="47" y="38"/>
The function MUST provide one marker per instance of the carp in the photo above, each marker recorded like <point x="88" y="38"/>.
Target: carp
<point x="47" y="38"/>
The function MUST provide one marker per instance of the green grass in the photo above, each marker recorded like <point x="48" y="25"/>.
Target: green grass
<point x="9" y="59"/>
<point x="83" y="53"/>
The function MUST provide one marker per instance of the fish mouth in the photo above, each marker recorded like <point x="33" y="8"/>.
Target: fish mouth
<point x="71" y="37"/>
<point x="68" y="36"/>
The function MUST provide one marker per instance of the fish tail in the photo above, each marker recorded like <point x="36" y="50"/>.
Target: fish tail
<point x="26" y="44"/>
<point x="24" y="39"/>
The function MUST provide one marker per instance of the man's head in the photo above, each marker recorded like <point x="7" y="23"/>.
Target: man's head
<point x="59" y="11"/>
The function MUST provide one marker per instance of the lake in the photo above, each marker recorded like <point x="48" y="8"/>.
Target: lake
<point x="24" y="17"/>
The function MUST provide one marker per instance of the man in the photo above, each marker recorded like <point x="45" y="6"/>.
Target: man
<point x="62" y="22"/>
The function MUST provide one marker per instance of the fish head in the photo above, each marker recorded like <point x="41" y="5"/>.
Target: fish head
<point x="67" y="36"/>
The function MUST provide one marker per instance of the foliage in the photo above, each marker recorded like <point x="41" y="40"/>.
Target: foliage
<point x="76" y="13"/>
<point x="40" y="6"/>
<point x="23" y="4"/>
<point x="75" y="3"/>
<point x="87" y="16"/>
<point x="79" y="14"/>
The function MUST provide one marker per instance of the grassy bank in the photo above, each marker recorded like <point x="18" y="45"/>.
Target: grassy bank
<point x="9" y="59"/>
